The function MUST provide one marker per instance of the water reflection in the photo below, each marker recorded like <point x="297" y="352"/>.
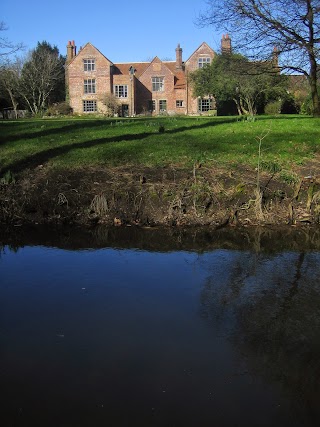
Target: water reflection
<point x="272" y="307"/>
<point x="201" y="329"/>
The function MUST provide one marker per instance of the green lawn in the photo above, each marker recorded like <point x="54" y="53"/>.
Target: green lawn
<point x="74" y="142"/>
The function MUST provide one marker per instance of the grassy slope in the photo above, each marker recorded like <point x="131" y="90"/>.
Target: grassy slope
<point x="73" y="143"/>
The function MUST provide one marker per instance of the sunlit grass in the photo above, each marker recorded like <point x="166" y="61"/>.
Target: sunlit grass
<point x="74" y="143"/>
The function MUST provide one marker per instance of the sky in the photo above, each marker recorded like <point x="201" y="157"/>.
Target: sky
<point x="124" y="31"/>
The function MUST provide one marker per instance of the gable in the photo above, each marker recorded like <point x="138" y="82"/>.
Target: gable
<point x="157" y="67"/>
<point x="90" y="52"/>
<point x="203" y="51"/>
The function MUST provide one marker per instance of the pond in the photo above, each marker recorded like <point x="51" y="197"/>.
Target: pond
<point x="130" y="327"/>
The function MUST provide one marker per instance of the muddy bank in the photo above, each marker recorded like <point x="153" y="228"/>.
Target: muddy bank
<point x="159" y="197"/>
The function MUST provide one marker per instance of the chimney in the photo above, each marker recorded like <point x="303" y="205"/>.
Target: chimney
<point x="225" y="44"/>
<point x="74" y="48"/>
<point x="275" y="57"/>
<point x="178" y="57"/>
<point x="71" y="51"/>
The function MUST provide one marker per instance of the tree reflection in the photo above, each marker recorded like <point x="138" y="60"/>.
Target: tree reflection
<point x="269" y="306"/>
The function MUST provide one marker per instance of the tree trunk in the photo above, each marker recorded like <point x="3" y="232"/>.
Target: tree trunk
<point x="313" y="87"/>
<point x="243" y="109"/>
<point x="312" y="60"/>
<point x="14" y="103"/>
<point x="238" y="106"/>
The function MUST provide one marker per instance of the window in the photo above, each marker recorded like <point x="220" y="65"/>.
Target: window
<point x="121" y="91"/>
<point x="205" y="104"/>
<point x="90" y="86"/>
<point x="203" y="61"/>
<point x="157" y="84"/>
<point x="89" y="106"/>
<point x="163" y="105"/>
<point x="151" y="106"/>
<point x="89" y="64"/>
<point x="179" y="104"/>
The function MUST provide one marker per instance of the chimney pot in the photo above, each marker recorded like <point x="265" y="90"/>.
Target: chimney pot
<point x="178" y="57"/>
<point x="226" y="44"/>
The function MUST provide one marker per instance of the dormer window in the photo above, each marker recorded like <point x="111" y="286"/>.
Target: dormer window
<point x="89" y="64"/>
<point x="202" y="61"/>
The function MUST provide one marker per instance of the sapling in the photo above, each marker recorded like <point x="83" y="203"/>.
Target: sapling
<point x="258" y="192"/>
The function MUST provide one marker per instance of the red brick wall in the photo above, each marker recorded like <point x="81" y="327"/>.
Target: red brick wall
<point x="158" y="69"/>
<point x="192" y="64"/>
<point x="77" y="75"/>
<point x="139" y="88"/>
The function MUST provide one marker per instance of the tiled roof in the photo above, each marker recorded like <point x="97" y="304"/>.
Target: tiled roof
<point x="140" y="67"/>
<point x="180" y="77"/>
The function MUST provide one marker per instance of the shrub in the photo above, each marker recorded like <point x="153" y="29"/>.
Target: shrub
<point x="307" y="106"/>
<point x="290" y="105"/>
<point x="111" y="105"/>
<point x="59" y="109"/>
<point x="273" y="107"/>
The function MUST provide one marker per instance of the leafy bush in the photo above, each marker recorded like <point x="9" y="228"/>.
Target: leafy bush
<point x="307" y="106"/>
<point x="290" y="105"/>
<point x="273" y="107"/>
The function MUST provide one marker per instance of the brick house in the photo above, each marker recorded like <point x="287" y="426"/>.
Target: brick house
<point x="156" y="87"/>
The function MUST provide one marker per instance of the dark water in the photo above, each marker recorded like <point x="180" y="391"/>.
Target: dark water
<point x="160" y="328"/>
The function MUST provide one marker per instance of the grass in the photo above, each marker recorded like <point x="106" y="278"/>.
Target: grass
<point x="181" y="141"/>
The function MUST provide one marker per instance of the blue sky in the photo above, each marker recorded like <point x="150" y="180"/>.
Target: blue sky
<point x="124" y="31"/>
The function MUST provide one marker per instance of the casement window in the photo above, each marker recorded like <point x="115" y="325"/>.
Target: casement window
<point x="152" y="105"/>
<point x="89" y="106"/>
<point x="120" y="91"/>
<point x="205" y="104"/>
<point x="90" y="86"/>
<point x="162" y="105"/>
<point x="203" y="61"/>
<point x="179" y="103"/>
<point x="157" y="84"/>
<point x="89" y="64"/>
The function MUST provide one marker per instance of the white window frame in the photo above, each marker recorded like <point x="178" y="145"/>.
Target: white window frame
<point x="205" y="105"/>
<point x="120" y="91"/>
<point x="89" y="105"/>
<point x="89" y="85"/>
<point x="179" y="103"/>
<point x="151" y="105"/>
<point x="157" y="84"/>
<point x="164" y="104"/>
<point x="89" y="64"/>
<point x="204" y="60"/>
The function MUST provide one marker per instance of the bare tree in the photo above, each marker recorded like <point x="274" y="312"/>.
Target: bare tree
<point x="111" y="104"/>
<point x="9" y="81"/>
<point x="41" y="74"/>
<point x="6" y="47"/>
<point x="290" y="28"/>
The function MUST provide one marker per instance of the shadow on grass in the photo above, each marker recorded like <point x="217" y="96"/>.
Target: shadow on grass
<point x="86" y="124"/>
<point x="55" y="130"/>
<point x="44" y="156"/>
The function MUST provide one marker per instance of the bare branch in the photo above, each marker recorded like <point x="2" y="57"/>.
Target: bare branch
<point x="6" y="47"/>
<point x="257" y="26"/>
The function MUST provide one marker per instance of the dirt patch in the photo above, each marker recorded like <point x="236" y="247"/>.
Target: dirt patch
<point x="161" y="196"/>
